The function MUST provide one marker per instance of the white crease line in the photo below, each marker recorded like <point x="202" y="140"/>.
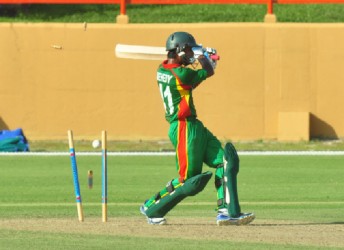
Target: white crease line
<point x="248" y="153"/>
<point x="257" y="203"/>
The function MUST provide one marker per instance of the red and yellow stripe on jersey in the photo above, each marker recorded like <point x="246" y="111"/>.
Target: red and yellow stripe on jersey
<point x="182" y="150"/>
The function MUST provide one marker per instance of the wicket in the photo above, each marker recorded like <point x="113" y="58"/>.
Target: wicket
<point x="104" y="177"/>
<point x="75" y="176"/>
<point x="90" y="176"/>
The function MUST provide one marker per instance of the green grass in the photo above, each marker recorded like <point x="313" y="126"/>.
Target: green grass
<point x="165" y="145"/>
<point x="285" y="184"/>
<point x="303" y="189"/>
<point x="308" y="13"/>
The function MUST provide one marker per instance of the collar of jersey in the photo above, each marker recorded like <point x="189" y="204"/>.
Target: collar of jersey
<point x="170" y="66"/>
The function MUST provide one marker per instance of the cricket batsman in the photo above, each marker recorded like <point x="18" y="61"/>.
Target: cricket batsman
<point x="188" y="65"/>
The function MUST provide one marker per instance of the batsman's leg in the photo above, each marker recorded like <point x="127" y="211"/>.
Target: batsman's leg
<point x="226" y="185"/>
<point x="160" y="204"/>
<point x="220" y="186"/>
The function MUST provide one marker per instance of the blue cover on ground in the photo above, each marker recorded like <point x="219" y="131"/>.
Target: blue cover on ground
<point x="13" y="141"/>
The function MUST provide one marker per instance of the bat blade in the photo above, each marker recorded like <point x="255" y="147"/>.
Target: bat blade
<point x="140" y="52"/>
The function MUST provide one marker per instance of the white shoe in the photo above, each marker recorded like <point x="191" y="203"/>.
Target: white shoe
<point x="157" y="221"/>
<point x="223" y="219"/>
<point x="152" y="221"/>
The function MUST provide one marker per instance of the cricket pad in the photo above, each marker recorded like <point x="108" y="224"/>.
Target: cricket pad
<point x="232" y="159"/>
<point x="191" y="187"/>
<point x="231" y="170"/>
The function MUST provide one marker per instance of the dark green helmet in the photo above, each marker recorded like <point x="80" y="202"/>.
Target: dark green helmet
<point x="180" y="40"/>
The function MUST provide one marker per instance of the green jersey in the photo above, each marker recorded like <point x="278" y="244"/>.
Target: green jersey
<point x="176" y="84"/>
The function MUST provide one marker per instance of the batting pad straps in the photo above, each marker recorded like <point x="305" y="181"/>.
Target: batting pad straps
<point x="218" y="182"/>
<point x="157" y="196"/>
<point x="220" y="203"/>
<point x="219" y="176"/>
<point x="170" y="187"/>
<point x="220" y="186"/>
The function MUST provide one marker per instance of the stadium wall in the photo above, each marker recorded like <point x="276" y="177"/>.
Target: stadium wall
<point x="55" y="77"/>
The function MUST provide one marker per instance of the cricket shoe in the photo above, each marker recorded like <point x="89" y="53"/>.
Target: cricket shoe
<point x="223" y="219"/>
<point x="152" y="221"/>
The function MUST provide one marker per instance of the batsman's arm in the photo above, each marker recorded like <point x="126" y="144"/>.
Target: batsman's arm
<point x="206" y="65"/>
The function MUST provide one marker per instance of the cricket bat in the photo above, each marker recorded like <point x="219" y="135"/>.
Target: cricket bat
<point x="140" y="52"/>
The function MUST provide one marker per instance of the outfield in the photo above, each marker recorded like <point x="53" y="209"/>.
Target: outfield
<point x="298" y="201"/>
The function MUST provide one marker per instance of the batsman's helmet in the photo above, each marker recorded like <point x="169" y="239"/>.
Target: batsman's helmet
<point x="180" y="40"/>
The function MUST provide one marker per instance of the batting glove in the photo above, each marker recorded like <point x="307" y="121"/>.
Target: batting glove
<point x="212" y="55"/>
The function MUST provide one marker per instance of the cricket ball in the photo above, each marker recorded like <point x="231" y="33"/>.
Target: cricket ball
<point x="95" y="143"/>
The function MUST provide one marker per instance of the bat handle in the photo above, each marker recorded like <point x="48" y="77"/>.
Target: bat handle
<point x="215" y="57"/>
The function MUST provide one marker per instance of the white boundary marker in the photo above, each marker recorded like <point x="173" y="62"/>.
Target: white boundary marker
<point x="249" y="153"/>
